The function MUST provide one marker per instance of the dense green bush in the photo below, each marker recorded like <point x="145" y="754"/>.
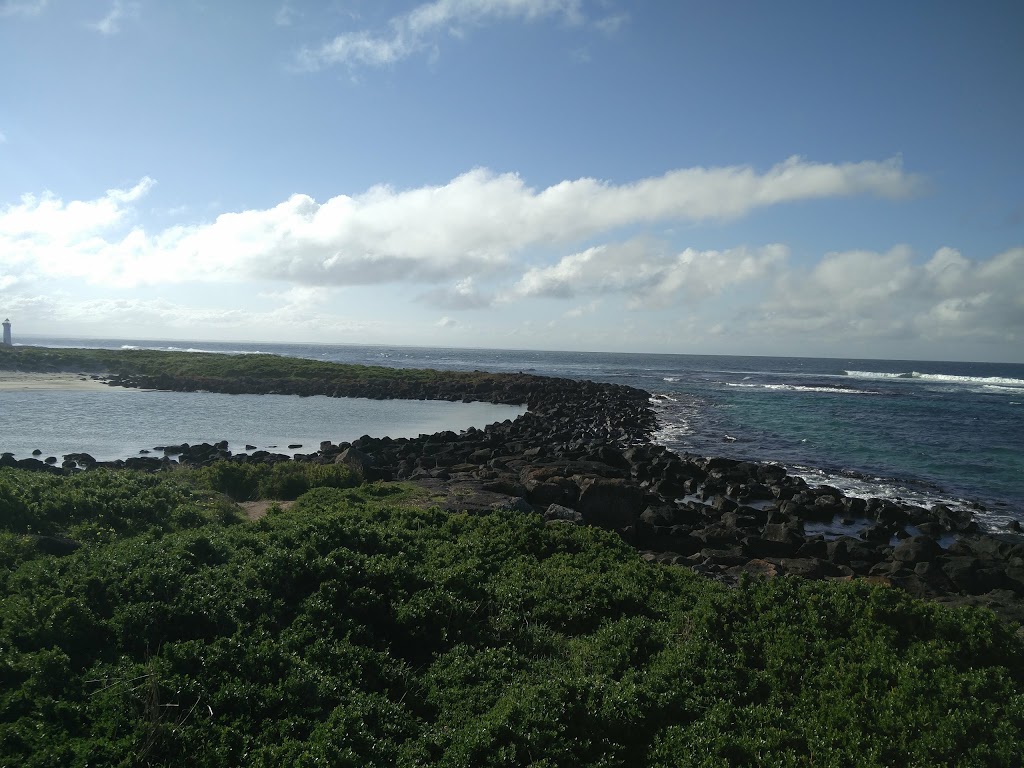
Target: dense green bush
<point x="88" y="503"/>
<point x="284" y="480"/>
<point x="350" y="630"/>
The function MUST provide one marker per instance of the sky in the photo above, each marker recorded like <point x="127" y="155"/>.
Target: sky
<point x="786" y="178"/>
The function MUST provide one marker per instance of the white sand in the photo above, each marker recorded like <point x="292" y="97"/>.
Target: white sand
<point x="15" y="380"/>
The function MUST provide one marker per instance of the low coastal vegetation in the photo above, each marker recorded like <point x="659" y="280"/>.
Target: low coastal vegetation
<point x="152" y="614"/>
<point x="263" y="373"/>
<point x="144" y="620"/>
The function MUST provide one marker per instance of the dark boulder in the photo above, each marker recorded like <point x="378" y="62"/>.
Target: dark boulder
<point x="610" y="503"/>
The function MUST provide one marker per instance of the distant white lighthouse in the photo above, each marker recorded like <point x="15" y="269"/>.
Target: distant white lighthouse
<point x="7" y="333"/>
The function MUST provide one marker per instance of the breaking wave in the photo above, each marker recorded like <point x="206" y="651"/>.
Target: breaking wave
<point x="800" y="388"/>
<point x="941" y="377"/>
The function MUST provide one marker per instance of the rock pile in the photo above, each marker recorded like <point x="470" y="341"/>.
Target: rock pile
<point x="582" y="454"/>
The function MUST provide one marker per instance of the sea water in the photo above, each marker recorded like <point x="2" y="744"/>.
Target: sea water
<point x="921" y="432"/>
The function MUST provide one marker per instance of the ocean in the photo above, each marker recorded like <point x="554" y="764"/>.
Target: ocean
<point x="921" y="432"/>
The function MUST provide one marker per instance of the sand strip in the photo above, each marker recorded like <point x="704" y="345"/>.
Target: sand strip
<point x="24" y="382"/>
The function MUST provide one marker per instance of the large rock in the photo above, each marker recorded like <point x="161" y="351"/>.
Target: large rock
<point x="359" y="463"/>
<point x="610" y="503"/>
<point x="556" y="513"/>
<point x="916" y="549"/>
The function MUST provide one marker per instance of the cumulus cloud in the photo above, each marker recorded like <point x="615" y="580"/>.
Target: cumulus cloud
<point x="472" y="226"/>
<point x="651" y="275"/>
<point x="865" y="295"/>
<point x="418" y="29"/>
<point x="22" y="7"/>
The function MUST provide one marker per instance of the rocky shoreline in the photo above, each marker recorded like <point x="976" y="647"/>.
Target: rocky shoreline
<point x="582" y="454"/>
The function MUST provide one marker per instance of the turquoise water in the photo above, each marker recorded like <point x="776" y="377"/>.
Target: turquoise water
<point x="919" y="431"/>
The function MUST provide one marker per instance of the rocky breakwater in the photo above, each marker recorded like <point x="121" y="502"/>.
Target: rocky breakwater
<point x="719" y="517"/>
<point x="582" y="455"/>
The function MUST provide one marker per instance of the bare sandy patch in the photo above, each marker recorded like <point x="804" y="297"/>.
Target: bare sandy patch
<point x="23" y="382"/>
<point x="254" y="510"/>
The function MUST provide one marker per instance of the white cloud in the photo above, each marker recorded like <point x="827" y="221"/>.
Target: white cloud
<point x="582" y="310"/>
<point x="119" y="11"/>
<point x="864" y="295"/>
<point x="650" y="275"/>
<point x="3" y="138"/>
<point x="470" y="227"/>
<point x="285" y="15"/>
<point x="612" y="24"/>
<point x="418" y="29"/>
<point x="446" y="322"/>
<point x="22" y="7"/>
<point x="155" y="318"/>
<point x="462" y="295"/>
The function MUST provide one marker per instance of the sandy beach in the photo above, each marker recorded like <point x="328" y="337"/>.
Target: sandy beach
<point x="23" y="382"/>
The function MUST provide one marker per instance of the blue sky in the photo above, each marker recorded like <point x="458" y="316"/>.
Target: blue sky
<point x="781" y="178"/>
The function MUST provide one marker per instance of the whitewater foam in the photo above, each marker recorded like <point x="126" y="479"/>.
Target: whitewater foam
<point x="800" y="388"/>
<point x="941" y="377"/>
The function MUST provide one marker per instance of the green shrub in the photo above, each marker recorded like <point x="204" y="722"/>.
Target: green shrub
<point x="353" y="631"/>
<point x="285" y="480"/>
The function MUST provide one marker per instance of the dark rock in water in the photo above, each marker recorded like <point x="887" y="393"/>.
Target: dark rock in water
<point x="50" y="460"/>
<point x="249" y="447"/>
<point x="83" y="459"/>
<point x="953" y="519"/>
<point x="37" y="452"/>
<point x="293" y="446"/>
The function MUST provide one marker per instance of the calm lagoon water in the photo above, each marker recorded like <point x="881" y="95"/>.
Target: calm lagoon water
<point x="118" y="423"/>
